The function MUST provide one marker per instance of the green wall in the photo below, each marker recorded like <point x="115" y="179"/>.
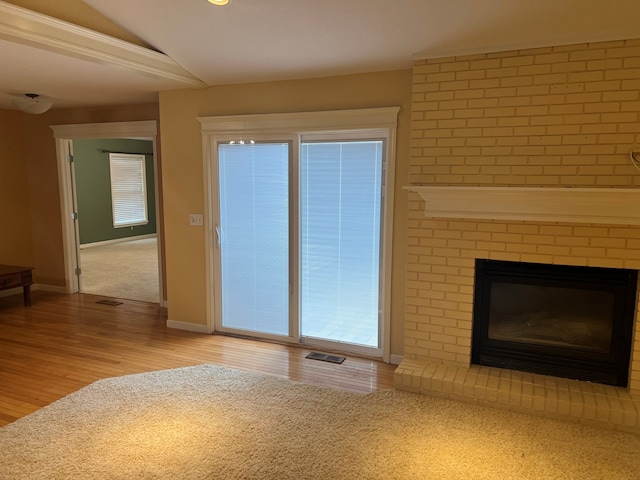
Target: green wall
<point x="93" y="188"/>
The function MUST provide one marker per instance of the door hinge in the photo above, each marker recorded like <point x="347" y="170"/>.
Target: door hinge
<point x="74" y="215"/>
<point x="78" y="271"/>
<point x="70" y="158"/>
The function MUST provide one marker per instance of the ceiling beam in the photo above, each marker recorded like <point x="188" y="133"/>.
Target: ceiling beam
<point x="34" y="29"/>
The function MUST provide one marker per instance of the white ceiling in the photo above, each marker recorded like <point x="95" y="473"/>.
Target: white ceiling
<point x="262" y="40"/>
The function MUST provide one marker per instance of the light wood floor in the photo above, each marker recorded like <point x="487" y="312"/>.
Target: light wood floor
<point x="64" y="342"/>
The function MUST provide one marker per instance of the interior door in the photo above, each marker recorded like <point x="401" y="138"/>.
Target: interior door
<point x="254" y="237"/>
<point x="74" y="214"/>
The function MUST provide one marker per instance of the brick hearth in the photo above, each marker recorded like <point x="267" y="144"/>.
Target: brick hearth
<point x="551" y="397"/>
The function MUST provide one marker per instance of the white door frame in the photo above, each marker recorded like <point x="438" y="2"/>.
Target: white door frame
<point x="226" y="128"/>
<point x="64" y="135"/>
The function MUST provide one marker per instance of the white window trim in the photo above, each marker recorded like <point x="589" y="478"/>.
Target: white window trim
<point x="367" y="123"/>
<point x="140" y="159"/>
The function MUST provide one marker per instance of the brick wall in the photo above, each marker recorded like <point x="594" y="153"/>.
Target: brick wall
<point x="560" y="116"/>
<point x="547" y="117"/>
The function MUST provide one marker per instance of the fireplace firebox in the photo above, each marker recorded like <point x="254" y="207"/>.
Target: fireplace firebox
<point x="567" y="321"/>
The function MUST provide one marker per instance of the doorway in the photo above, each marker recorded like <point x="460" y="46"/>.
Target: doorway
<point x="65" y="136"/>
<point x="301" y="223"/>
<point x="115" y="202"/>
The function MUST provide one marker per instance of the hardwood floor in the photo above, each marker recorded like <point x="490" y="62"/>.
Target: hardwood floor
<point x="64" y="342"/>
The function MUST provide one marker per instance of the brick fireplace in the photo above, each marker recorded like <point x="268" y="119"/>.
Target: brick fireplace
<point x="506" y="150"/>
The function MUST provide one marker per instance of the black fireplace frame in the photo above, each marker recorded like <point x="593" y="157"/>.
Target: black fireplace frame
<point x="610" y="369"/>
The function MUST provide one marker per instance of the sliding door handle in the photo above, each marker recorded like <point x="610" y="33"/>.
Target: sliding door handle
<point x="218" y="236"/>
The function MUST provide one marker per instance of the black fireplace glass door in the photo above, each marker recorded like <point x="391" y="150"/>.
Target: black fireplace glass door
<point x="567" y="321"/>
<point x="551" y="316"/>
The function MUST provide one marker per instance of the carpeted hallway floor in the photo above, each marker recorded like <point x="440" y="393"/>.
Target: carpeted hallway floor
<point x="126" y="270"/>
<point x="211" y="422"/>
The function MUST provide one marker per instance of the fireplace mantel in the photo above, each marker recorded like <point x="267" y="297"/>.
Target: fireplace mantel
<point x="575" y="205"/>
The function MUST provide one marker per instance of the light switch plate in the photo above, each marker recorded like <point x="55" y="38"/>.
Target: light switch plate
<point x="196" y="219"/>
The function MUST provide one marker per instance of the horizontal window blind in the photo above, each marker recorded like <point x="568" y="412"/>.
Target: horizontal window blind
<point x="340" y="204"/>
<point x="254" y="236"/>
<point x="128" y="189"/>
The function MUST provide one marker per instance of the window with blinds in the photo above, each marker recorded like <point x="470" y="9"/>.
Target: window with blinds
<point x="128" y="189"/>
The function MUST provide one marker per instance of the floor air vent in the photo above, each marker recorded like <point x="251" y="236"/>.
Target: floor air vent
<point x="113" y="303"/>
<point x="325" y="357"/>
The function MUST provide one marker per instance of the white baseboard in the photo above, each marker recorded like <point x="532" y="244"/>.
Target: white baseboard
<point x="191" y="327"/>
<point x="48" y="288"/>
<point x="395" y="359"/>
<point x="11" y="291"/>
<point x="117" y="240"/>
<point x="36" y="286"/>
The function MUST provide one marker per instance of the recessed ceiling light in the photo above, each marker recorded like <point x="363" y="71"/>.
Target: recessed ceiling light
<point x="218" y="2"/>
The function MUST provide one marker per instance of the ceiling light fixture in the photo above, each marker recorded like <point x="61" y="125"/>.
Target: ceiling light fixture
<point x="32" y="103"/>
<point x="219" y="2"/>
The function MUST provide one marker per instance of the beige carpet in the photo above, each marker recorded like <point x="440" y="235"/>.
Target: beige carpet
<point x="126" y="270"/>
<point x="210" y="422"/>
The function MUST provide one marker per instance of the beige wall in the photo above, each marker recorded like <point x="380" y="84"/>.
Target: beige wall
<point x="36" y="181"/>
<point x="183" y="168"/>
<point x="553" y="117"/>
<point x="16" y="246"/>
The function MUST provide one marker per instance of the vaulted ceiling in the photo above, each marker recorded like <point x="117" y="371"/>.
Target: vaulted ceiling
<point x="108" y="52"/>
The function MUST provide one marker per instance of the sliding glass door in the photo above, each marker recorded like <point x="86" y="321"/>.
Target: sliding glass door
<point x="298" y="231"/>
<point x="253" y="236"/>
<point x="340" y="192"/>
